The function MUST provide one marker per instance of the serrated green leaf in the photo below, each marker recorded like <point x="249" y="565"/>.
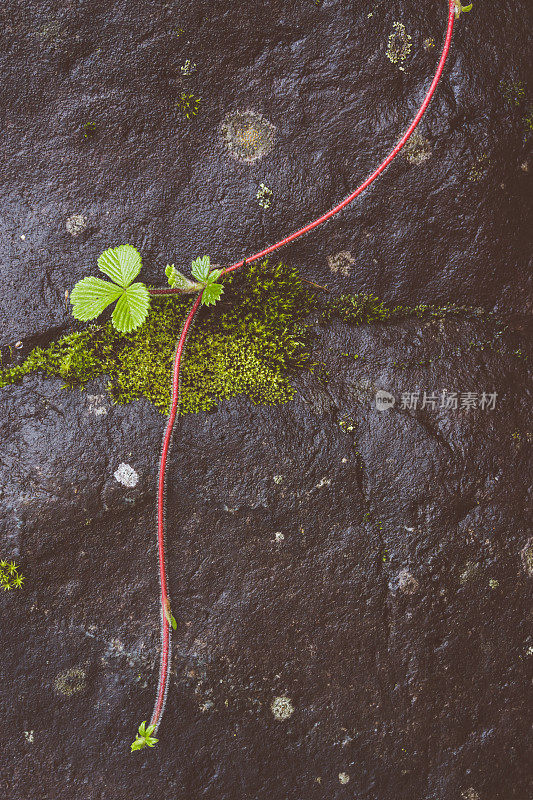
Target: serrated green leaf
<point x="91" y="296"/>
<point x="214" y="275"/>
<point x="122" y="264"/>
<point x="200" y="268"/>
<point x="142" y="728"/>
<point x="172" y="273"/>
<point x="150" y="729"/>
<point x="138" y="744"/>
<point x="132" y="308"/>
<point x="211" y="294"/>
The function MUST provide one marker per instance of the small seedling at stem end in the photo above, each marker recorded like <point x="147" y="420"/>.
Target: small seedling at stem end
<point x="144" y="737"/>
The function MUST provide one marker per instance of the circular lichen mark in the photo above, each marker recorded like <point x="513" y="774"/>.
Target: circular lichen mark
<point x="282" y="707"/>
<point x="247" y="136"/>
<point x="71" y="682"/>
<point x="417" y="150"/>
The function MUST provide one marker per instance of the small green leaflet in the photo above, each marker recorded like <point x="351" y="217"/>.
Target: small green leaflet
<point x="211" y="294"/>
<point x="91" y="296"/>
<point x="132" y="308"/>
<point x="122" y="264"/>
<point x="201" y="269"/>
<point x="179" y="281"/>
<point x="144" y="737"/>
<point x="460" y="8"/>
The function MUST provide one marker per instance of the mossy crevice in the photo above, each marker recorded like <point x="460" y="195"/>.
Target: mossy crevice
<point x="248" y="344"/>
<point x="251" y="343"/>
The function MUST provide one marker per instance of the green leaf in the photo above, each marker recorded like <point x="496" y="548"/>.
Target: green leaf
<point x="138" y="744"/>
<point x="173" y="623"/>
<point x="91" y="296"/>
<point x="180" y="281"/>
<point x="214" y="275"/>
<point x="467" y="8"/>
<point x="211" y="294"/>
<point x="144" y="737"/>
<point x="200" y="268"/>
<point x="122" y="264"/>
<point x="132" y="308"/>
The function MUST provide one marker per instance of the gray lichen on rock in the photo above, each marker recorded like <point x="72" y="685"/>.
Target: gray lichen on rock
<point x="76" y="224"/>
<point x="341" y="263"/>
<point x="70" y="682"/>
<point x="282" y="707"/>
<point x="418" y="149"/>
<point x="247" y="136"/>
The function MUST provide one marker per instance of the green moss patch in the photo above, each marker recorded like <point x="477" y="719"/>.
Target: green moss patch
<point x="249" y="344"/>
<point x="367" y="309"/>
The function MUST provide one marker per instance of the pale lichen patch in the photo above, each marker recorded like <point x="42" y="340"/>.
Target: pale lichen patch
<point x="71" y="682"/>
<point x="126" y="475"/>
<point x="282" y="707"/>
<point x="341" y="262"/>
<point x="76" y="224"/>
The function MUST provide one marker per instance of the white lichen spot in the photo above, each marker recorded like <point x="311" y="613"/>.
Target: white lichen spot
<point x="282" y="707"/>
<point x="470" y="794"/>
<point x="323" y="482"/>
<point x="28" y="735"/>
<point x="278" y="479"/>
<point x="417" y="150"/>
<point x="526" y="554"/>
<point x="343" y="778"/>
<point x="126" y="475"/>
<point x="341" y="262"/>
<point x="76" y="224"/>
<point x="96" y="404"/>
<point x="279" y="537"/>
<point x="493" y="583"/>
<point x="247" y="136"/>
<point x="406" y="582"/>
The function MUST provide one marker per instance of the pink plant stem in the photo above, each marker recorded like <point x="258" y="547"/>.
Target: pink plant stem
<point x="384" y="164"/>
<point x="165" y="602"/>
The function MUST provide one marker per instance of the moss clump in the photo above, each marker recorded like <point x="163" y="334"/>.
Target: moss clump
<point x="248" y="344"/>
<point x="367" y="309"/>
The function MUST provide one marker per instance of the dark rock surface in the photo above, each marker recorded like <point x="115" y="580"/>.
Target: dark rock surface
<point x="371" y="567"/>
